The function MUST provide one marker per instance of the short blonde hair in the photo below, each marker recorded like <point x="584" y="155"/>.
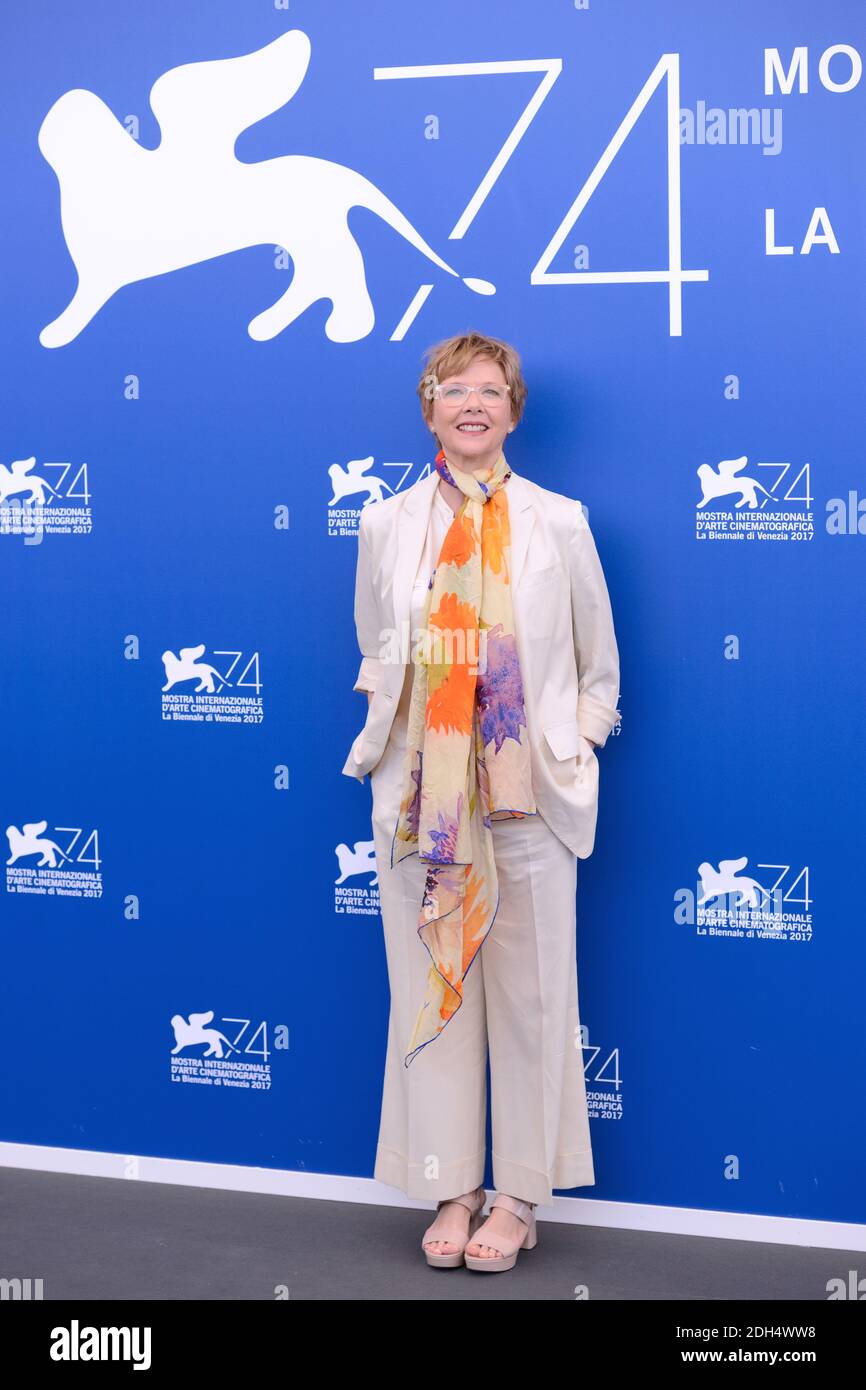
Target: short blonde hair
<point x="451" y="355"/>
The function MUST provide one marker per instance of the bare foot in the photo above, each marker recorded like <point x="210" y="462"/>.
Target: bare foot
<point x="456" y="1213"/>
<point x="499" y="1223"/>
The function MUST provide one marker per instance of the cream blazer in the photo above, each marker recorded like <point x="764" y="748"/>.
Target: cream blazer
<point x="564" y="629"/>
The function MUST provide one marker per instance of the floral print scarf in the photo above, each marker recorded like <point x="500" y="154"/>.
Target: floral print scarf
<point x="467" y="756"/>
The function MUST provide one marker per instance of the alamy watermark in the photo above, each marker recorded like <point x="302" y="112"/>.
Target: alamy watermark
<point x="713" y="125"/>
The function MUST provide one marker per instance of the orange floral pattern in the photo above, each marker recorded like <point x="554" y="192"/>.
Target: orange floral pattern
<point x="467" y="755"/>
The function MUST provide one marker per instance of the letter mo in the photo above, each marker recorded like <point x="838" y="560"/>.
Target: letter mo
<point x="799" y="68"/>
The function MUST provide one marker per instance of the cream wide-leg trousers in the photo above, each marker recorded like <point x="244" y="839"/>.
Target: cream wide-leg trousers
<point x="520" y="1000"/>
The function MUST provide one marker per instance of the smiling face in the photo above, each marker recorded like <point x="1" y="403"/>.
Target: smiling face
<point x="472" y="432"/>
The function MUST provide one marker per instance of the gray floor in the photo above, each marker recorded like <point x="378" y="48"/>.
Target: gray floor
<point x="100" y="1238"/>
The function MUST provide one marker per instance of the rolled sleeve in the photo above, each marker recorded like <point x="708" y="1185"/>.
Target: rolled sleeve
<point x="368" y="674"/>
<point x="594" y="637"/>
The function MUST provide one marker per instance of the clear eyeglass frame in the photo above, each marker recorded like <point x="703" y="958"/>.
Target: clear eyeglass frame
<point x="456" y="393"/>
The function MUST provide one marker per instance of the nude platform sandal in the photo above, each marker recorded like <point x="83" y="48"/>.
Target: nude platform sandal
<point x="508" y="1248"/>
<point x="454" y="1236"/>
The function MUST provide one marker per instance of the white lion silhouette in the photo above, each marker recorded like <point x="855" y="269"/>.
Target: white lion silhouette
<point x="130" y="213"/>
<point x="345" y="482"/>
<point x="28" y="841"/>
<point x="189" y="1034"/>
<point x="718" y="883"/>
<point x="360" y="860"/>
<point x="187" y="667"/>
<point x="724" y="481"/>
<point x="18" y="478"/>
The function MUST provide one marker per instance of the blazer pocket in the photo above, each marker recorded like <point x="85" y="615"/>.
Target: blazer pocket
<point x="547" y="575"/>
<point x="564" y="738"/>
<point x="542" y="593"/>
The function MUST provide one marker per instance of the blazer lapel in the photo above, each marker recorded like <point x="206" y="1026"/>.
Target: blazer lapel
<point x="412" y="529"/>
<point x="521" y="519"/>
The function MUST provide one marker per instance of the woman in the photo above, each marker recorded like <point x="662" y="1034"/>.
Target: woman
<point x="492" y="672"/>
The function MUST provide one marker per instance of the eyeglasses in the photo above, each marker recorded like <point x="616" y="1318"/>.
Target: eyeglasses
<point x="456" y="393"/>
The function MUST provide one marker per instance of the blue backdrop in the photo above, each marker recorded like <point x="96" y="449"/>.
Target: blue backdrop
<point x="179" y="539"/>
